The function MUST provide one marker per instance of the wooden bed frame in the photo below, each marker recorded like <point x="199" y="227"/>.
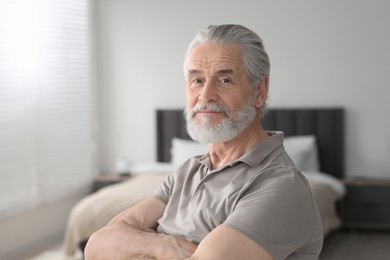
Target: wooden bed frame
<point x="327" y="124"/>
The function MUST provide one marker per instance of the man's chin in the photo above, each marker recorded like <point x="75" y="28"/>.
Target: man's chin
<point x="208" y="121"/>
<point x="207" y="125"/>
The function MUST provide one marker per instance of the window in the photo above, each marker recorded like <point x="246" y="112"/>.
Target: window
<point x="46" y="101"/>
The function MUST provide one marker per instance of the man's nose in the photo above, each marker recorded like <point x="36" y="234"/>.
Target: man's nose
<point x="208" y="93"/>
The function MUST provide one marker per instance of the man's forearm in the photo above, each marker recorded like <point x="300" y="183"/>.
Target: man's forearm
<point x="122" y="241"/>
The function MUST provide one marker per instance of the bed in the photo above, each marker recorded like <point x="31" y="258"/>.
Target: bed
<point x="314" y="139"/>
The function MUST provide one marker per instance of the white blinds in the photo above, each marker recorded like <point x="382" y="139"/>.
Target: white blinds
<point x="45" y="101"/>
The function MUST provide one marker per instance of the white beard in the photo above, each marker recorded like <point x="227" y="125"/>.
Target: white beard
<point x="224" y="131"/>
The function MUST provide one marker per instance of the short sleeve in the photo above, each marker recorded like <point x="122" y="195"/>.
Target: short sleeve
<point x="277" y="212"/>
<point x="164" y="190"/>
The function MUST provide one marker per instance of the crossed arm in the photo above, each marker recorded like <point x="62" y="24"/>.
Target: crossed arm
<point x="132" y="235"/>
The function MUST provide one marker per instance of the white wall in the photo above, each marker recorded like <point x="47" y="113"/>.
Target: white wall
<point x="323" y="53"/>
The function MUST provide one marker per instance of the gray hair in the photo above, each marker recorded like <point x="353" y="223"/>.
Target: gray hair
<point x="256" y="61"/>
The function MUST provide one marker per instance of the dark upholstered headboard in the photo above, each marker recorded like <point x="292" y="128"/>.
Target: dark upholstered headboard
<point x="327" y="124"/>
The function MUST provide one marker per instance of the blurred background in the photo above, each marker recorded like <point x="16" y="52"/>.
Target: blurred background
<point x="80" y="81"/>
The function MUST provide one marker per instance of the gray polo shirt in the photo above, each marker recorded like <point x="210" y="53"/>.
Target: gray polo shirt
<point x="262" y="195"/>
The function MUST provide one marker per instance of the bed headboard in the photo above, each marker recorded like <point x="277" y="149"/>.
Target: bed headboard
<point x="327" y="124"/>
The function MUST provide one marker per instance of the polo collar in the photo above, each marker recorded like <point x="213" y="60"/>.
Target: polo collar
<point x="255" y="155"/>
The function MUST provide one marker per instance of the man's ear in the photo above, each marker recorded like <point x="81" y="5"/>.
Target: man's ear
<point x="262" y="91"/>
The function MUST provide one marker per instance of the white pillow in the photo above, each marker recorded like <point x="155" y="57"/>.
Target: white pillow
<point x="303" y="151"/>
<point x="182" y="150"/>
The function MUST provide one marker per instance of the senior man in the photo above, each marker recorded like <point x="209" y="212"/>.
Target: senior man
<point x="244" y="199"/>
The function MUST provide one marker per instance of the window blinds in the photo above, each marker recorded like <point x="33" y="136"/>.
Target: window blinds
<point x="46" y="103"/>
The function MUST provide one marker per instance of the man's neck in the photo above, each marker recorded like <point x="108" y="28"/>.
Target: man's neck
<point x="222" y="154"/>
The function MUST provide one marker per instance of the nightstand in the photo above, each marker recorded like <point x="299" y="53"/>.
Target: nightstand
<point x="366" y="203"/>
<point x="105" y="180"/>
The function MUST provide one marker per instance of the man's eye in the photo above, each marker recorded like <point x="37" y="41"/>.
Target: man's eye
<point x="225" y="81"/>
<point x="197" y="81"/>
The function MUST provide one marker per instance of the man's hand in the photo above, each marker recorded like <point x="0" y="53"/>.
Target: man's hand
<point x="131" y="235"/>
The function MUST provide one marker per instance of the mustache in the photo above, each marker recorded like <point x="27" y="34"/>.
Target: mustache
<point x="210" y="107"/>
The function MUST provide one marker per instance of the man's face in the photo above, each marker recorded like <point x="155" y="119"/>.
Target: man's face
<point x="220" y="103"/>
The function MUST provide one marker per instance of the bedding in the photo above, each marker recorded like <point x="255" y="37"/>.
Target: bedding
<point x="184" y="149"/>
<point x="303" y="151"/>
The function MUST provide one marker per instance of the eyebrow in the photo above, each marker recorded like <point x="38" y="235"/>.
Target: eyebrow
<point x="219" y="72"/>
<point x="225" y="72"/>
<point x="194" y="72"/>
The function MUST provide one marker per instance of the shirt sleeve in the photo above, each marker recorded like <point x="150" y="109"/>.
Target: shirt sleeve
<point x="163" y="191"/>
<point x="277" y="212"/>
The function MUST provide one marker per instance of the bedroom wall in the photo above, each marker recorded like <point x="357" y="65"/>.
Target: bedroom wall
<point x="323" y="53"/>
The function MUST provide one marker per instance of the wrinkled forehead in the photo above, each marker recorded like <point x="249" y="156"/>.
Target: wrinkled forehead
<point x="216" y="58"/>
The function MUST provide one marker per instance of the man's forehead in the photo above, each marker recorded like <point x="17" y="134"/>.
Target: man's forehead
<point x="219" y="65"/>
<point x="211" y="55"/>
